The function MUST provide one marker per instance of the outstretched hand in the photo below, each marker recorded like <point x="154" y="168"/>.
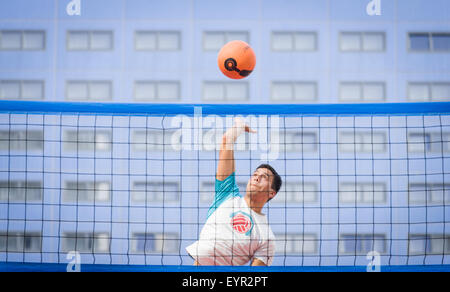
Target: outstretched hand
<point x="238" y="128"/>
<point x="240" y="124"/>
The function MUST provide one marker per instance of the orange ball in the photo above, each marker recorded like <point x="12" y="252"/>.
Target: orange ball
<point x="236" y="59"/>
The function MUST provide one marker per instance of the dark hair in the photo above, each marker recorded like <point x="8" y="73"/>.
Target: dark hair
<point x="276" y="182"/>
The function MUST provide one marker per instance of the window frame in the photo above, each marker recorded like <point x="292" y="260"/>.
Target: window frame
<point x="428" y="248"/>
<point x="428" y="189"/>
<point x="25" y="186"/>
<point x="22" y="39"/>
<point x="158" y="239"/>
<point x="288" y="198"/>
<point x="157" y="40"/>
<point x="89" y="84"/>
<point x="285" y="238"/>
<point x="362" y="135"/>
<point x="224" y="85"/>
<point x="293" y="34"/>
<point x="85" y="186"/>
<point x="23" y="135"/>
<point x="430" y="42"/>
<point x="89" y="236"/>
<point x="150" y="136"/>
<point x="154" y="198"/>
<point x="361" y="41"/>
<point x="292" y="85"/>
<point x="361" y="85"/>
<point x="226" y="37"/>
<point x="361" y="187"/>
<point x="89" y="44"/>
<point x="67" y="144"/>
<point x="429" y="85"/>
<point x="21" y="83"/>
<point x="23" y="236"/>
<point x="304" y="147"/>
<point x="156" y="84"/>
<point x="363" y="238"/>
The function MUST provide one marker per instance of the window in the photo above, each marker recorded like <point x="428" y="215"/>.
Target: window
<point x="429" y="193"/>
<point x="422" y="244"/>
<point x="88" y="90"/>
<point x="294" y="41"/>
<point x="295" y="141"/>
<point x="441" y="42"/>
<point x="419" y="42"/>
<point x="86" y="192"/>
<point x="11" y="40"/>
<point x="362" y="244"/>
<point x="419" y="92"/>
<point x="362" y="41"/>
<point x="21" y="191"/>
<point x="154" y="140"/>
<point x="87" y="140"/>
<point x="362" y="91"/>
<point x="207" y="190"/>
<point x="423" y="91"/>
<point x="215" y="40"/>
<point x="157" y="90"/>
<point x="419" y="142"/>
<point x="151" y="192"/>
<point x="154" y="243"/>
<point x="169" y="41"/>
<point x="298" y="244"/>
<point x="11" y="89"/>
<point x="89" y="40"/>
<point x="225" y="91"/>
<point x="21" y="140"/>
<point x="21" y="89"/>
<point x="363" y="142"/>
<point x="293" y="192"/>
<point x="445" y="141"/>
<point x="26" y="40"/>
<point x="85" y="242"/>
<point x="429" y="42"/>
<point x="351" y="42"/>
<point x="294" y="91"/>
<point x="157" y="41"/>
<point x="20" y="241"/>
<point x="33" y="40"/>
<point x="440" y="91"/>
<point x="364" y="193"/>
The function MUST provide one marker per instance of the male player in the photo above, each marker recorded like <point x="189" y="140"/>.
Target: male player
<point x="236" y="232"/>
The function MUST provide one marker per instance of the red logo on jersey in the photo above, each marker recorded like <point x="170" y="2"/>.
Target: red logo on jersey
<point x="242" y="223"/>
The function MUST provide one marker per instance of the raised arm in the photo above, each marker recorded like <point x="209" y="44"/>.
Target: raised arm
<point x="226" y="154"/>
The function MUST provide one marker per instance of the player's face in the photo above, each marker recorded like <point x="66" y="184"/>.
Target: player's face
<point x="261" y="181"/>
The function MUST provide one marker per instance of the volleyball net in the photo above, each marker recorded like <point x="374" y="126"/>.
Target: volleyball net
<point x="131" y="184"/>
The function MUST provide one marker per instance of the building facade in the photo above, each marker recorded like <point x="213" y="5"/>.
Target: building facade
<point x="113" y="188"/>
